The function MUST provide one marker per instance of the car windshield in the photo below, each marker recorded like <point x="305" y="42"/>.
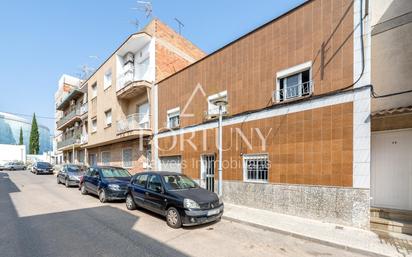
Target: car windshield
<point x="115" y="173"/>
<point x="43" y="165"/>
<point x="74" y="169"/>
<point x="176" y="182"/>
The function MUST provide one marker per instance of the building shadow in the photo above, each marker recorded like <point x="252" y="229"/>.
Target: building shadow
<point x="98" y="231"/>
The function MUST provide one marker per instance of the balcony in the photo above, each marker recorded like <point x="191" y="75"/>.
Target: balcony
<point x="134" y="125"/>
<point x="69" y="142"/>
<point x="128" y="87"/>
<point x="294" y="91"/>
<point x="69" y="119"/>
<point x="73" y="94"/>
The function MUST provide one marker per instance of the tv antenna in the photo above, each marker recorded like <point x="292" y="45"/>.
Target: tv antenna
<point x="86" y="71"/>
<point x="136" y="23"/>
<point x="144" y="6"/>
<point x="180" y="25"/>
<point x="94" y="57"/>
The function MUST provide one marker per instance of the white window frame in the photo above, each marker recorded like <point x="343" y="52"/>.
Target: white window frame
<point x="108" y="120"/>
<point x="107" y="79"/>
<point x="131" y="160"/>
<point x="94" y="128"/>
<point x="213" y="109"/>
<point x="247" y="157"/>
<point x="101" y="158"/>
<point x="175" y="112"/>
<point x="290" y="72"/>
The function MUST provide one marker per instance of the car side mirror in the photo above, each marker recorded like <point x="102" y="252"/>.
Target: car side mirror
<point x="159" y="189"/>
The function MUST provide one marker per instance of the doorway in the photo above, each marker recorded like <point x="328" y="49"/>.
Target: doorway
<point x="207" y="172"/>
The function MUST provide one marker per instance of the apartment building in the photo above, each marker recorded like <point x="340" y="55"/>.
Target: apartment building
<point x="296" y="129"/>
<point x="117" y="127"/>
<point x="71" y="120"/>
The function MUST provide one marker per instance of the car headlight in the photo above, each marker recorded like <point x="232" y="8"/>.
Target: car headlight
<point x="114" y="187"/>
<point x="190" y="204"/>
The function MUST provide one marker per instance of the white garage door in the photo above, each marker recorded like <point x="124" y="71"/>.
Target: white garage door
<point x="171" y="163"/>
<point x="391" y="167"/>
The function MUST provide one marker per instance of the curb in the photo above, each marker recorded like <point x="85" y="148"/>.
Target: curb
<point x="312" y="239"/>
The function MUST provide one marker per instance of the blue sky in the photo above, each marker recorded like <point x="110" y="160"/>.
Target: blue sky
<point x="40" y="40"/>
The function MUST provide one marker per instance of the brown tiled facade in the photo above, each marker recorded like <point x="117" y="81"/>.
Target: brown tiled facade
<point x="310" y="140"/>
<point x="312" y="147"/>
<point x="247" y="68"/>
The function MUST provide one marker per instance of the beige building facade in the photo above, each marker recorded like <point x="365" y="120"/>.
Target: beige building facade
<point x="117" y="129"/>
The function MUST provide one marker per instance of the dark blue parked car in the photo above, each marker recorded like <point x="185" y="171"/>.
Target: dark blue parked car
<point x="109" y="183"/>
<point x="175" y="196"/>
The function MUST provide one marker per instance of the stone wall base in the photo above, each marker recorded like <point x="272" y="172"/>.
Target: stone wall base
<point x="346" y="206"/>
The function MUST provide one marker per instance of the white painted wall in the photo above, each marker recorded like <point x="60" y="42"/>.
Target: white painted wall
<point x="12" y="153"/>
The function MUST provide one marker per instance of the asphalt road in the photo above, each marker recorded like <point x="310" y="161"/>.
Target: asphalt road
<point x="39" y="218"/>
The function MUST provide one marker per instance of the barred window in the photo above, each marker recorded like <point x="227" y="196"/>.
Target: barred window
<point x="106" y="158"/>
<point x="256" y="168"/>
<point x="127" y="158"/>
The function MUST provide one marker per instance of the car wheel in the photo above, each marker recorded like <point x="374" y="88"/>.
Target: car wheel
<point x="102" y="196"/>
<point x="83" y="190"/>
<point x="173" y="218"/>
<point x="58" y="181"/>
<point x="66" y="183"/>
<point x="130" y="204"/>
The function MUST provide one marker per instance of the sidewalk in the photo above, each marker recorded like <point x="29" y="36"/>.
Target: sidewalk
<point x="353" y="239"/>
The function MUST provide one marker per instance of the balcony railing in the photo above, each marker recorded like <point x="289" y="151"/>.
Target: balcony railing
<point x="132" y="122"/>
<point x="69" y="116"/>
<point x="75" y="139"/>
<point x="295" y="91"/>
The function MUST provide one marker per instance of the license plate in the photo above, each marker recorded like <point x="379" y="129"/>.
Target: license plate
<point x="212" y="212"/>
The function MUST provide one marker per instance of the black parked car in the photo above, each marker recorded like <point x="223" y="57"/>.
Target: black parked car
<point x="70" y="174"/>
<point x="175" y="196"/>
<point x="109" y="183"/>
<point x="42" y="168"/>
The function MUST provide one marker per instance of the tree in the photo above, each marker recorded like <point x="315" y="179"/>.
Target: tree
<point x="21" y="136"/>
<point x="34" y="137"/>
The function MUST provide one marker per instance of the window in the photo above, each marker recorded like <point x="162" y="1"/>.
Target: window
<point x="108" y="115"/>
<point x="173" y="118"/>
<point x="94" y="90"/>
<point x="255" y="168"/>
<point x="127" y="158"/>
<point x="294" y="82"/>
<point x="213" y="109"/>
<point x="106" y="158"/>
<point x="141" y="180"/>
<point x="154" y="183"/>
<point x="92" y="160"/>
<point x="94" y="125"/>
<point x="107" y="79"/>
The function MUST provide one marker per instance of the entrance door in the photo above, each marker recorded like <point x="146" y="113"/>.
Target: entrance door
<point x="391" y="167"/>
<point x="207" y="172"/>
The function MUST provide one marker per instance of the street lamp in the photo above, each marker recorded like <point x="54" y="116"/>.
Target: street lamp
<point x="220" y="103"/>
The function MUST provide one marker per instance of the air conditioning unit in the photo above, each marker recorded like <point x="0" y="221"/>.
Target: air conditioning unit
<point x="128" y="58"/>
<point x="76" y="124"/>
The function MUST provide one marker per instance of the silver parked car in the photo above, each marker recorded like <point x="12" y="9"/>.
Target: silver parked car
<point x="15" y="165"/>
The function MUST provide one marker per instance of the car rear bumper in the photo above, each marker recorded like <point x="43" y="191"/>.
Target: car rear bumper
<point x="197" y="217"/>
<point x="44" y="171"/>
